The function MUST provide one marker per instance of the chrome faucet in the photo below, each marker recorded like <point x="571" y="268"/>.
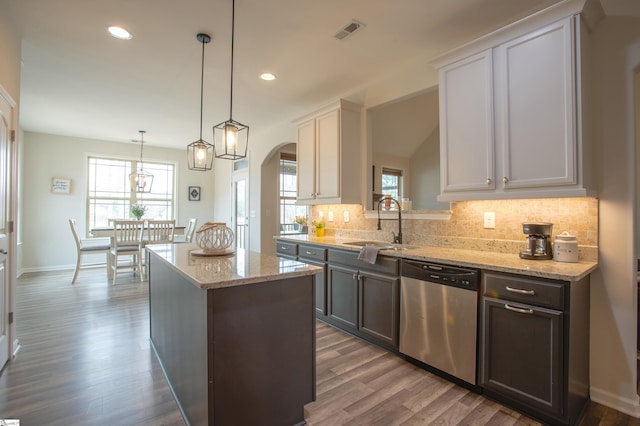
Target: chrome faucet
<point x="397" y="239"/>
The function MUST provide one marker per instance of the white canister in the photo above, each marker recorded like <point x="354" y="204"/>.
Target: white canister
<point x="565" y="248"/>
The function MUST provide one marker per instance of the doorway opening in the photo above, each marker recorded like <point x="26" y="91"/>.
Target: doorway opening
<point x="240" y="202"/>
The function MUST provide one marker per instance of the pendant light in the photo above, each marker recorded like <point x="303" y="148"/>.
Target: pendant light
<point x="141" y="180"/>
<point x="200" y="152"/>
<point x="230" y="137"/>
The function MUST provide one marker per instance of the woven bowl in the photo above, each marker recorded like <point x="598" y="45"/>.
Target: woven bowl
<point x="214" y="237"/>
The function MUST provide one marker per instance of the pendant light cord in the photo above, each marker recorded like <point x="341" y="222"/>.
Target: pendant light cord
<point x="141" y="146"/>
<point x="233" y="24"/>
<point x="201" y="87"/>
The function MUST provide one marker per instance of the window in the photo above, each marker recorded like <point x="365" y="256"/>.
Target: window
<point x="293" y="218"/>
<point x="392" y="182"/>
<point x="109" y="194"/>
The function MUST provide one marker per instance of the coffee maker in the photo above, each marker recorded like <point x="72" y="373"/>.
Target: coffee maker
<point x="538" y="241"/>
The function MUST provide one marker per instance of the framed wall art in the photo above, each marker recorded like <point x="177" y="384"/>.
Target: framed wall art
<point x="194" y="193"/>
<point x="60" y="185"/>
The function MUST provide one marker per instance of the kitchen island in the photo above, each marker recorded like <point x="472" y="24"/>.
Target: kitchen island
<point x="235" y="334"/>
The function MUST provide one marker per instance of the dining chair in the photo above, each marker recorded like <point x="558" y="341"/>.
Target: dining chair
<point x="86" y="247"/>
<point x="188" y="232"/>
<point x="160" y="231"/>
<point x="127" y="242"/>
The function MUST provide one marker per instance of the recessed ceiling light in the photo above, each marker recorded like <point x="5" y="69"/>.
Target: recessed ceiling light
<point x="268" y="76"/>
<point x="121" y="33"/>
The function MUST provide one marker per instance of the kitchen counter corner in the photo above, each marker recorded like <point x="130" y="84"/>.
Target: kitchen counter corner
<point x="242" y="267"/>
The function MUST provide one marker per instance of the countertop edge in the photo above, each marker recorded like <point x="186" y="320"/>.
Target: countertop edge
<point x="270" y="274"/>
<point x="499" y="262"/>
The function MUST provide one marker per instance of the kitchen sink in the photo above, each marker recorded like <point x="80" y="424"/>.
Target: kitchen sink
<point x="378" y="244"/>
<point x="382" y="245"/>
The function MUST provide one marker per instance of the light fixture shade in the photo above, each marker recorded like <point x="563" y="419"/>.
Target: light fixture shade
<point x="231" y="139"/>
<point x="141" y="181"/>
<point x="200" y="152"/>
<point x="200" y="155"/>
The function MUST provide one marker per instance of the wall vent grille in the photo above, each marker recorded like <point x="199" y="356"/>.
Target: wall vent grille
<point x="348" y="29"/>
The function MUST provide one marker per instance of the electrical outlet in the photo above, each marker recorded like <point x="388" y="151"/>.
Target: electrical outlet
<point x="345" y="216"/>
<point x="490" y="220"/>
<point x="330" y="216"/>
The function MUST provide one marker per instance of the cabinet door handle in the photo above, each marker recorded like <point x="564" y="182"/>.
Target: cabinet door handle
<point x="505" y="180"/>
<point x="517" y="290"/>
<point x="489" y="181"/>
<point x="518" y="310"/>
<point x="356" y="276"/>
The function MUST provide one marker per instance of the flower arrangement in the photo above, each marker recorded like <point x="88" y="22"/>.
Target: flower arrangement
<point x="138" y="210"/>
<point x="319" y="228"/>
<point x="302" y="220"/>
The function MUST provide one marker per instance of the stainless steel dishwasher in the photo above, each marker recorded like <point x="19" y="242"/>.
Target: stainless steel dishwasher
<point x="439" y="317"/>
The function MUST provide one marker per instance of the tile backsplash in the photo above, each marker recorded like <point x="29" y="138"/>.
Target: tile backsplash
<point x="465" y="229"/>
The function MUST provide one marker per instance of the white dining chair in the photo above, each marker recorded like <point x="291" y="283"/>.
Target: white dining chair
<point x="189" y="232"/>
<point x="127" y="242"/>
<point x="157" y="232"/>
<point x="86" y="247"/>
<point x="160" y="231"/>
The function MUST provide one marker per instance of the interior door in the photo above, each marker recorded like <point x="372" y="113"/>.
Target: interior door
<point x="6" y="120"/>
<point x="240" y="203"/>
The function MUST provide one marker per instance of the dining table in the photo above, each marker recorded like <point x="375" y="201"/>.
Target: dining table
<point x="107" y="232"/>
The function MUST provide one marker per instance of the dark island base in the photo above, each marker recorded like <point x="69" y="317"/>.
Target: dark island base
<point x="241" y="355"/>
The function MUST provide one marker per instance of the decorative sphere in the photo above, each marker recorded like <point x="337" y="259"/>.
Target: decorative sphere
<point x="214" y="237"/>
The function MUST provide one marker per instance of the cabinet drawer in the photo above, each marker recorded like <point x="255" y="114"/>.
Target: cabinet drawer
<point x="532" y="291"/>
<point x="312" y="252"/>
<point x="286" y="248"/>
<point x="383" y="265"/>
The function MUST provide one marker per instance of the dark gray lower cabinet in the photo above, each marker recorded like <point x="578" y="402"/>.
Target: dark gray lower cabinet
<point x="364" y="298"/>
<point x="535" y="345"/>
<point x="343" y="296"/>
<point x="523" y="353"/>
<point x="317" y="256"/>
<point x="379" y="307"/>
<point x="313" y="255"/>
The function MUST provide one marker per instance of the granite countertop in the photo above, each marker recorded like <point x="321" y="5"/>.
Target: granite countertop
<point x="471" y="258"/>
<point x="241" y="268"/>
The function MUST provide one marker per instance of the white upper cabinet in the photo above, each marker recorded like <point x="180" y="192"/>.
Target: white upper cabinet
<point x="306" y="160"/>
<point x="535" y="80"/>
<point x="329" y="155"/>
<point x="466" y="124"/>
<point x="511" y="115"/>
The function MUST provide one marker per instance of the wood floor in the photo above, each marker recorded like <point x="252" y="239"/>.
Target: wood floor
<point x="85" y="359"/>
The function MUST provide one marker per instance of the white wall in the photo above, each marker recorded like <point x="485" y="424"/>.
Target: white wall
<point x="616" y="54"/>
<point x="425" y="177"/>
<point x="47" y="242"/>
<point x="10" y="54"/>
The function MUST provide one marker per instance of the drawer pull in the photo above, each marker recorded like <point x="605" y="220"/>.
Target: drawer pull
<point x="310" y="253"/>
<point x="284" y="248"/>
<point x="517" y="290"/>
<point x="518" y="310"/>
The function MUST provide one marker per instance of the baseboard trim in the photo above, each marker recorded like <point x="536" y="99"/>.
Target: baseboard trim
<point x="62" y="267"/>
<point x="630" y="406"/>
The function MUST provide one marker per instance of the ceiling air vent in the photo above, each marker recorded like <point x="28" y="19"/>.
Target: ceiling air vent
<point x="348" y="29"/>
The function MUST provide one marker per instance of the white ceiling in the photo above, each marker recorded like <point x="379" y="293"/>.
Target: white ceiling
<point x="79" y="81"/>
